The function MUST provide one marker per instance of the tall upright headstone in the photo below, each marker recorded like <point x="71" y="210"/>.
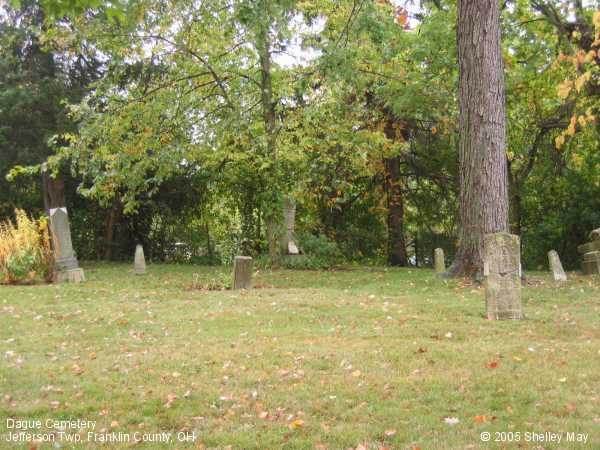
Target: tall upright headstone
<point x="289" y="220"/>
<point x="558" y="273"/>
<point x="139" y="262"/>
<point x="66" y="267"/>
<point x="242" y="272"/>
<point x="439" y="261"/>
<point x="502" y="259"/>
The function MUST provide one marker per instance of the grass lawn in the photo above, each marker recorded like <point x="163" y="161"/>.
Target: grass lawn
<point x="363" y="358"/>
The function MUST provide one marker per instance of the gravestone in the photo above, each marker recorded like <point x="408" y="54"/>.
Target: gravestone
<point x="67" y="269"/>
<point x="502" y="259"/>
<point x="242" y="272"/>
<point x="438" y="261"/>
<point x="591" y="263"/>
<point x="595" y="235"/>
<point x="589" y="247"/>
<point x="139" y="262"/>
<point x="591" y="254"/>
<point x="556" y="267"/>
<point x="289" y="220"/>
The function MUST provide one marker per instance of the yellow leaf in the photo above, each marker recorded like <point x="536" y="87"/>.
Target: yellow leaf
<point x="596" y="19"/>
<point x="589" y="57"/>
<point x="564" y="88"/>
<point x="580" y="57"/>
<point x="298" y="423"/>
<point x="559" y="141"/>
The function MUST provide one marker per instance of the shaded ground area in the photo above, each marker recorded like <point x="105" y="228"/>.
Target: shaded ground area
<point x="373" y="357"/>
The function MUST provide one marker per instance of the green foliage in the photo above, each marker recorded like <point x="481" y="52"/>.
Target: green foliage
<point x="178" y="140"/>
<point x="318" y="252"/>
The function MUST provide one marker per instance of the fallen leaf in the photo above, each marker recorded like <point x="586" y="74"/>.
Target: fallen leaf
<point x="492" y="365"/>
<point x="298" y="423"/>
<point x="390" y="433"/>
<point x="451" y="420"/>
<point x="170" y="399"/>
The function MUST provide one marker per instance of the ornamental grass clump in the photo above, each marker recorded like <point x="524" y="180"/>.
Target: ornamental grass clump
<point x="25" y="252"/>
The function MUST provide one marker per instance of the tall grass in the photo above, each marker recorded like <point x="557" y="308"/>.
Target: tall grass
<point x="25" y="252"/>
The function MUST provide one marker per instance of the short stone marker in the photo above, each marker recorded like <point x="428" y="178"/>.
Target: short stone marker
<point x="242" y="272"/>
<point x="556" y="267"/>
<point x="139" y="262"/>
<point x="438" y="261"/>
<point x="502" y="259"/>
<point x="67" y="268"/>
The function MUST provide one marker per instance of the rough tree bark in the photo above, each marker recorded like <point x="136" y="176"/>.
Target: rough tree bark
<point x="270" y="123"/>
<point x="397" y="256"/>
<point x="112" y="220"/>
<point x="53" y="192"/>
<point x="482" y="147"/>
<point x="396" y="242"/>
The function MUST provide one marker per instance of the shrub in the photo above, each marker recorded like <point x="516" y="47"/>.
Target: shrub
<point x="318" y="253"/>
<point x="25" y="253"/>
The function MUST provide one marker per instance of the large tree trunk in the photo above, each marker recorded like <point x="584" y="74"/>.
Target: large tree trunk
<point x="113" y="218"/>
<point x="272" y="219"/>
<point x="482" y="148"/>
<point x="396" y="243"/>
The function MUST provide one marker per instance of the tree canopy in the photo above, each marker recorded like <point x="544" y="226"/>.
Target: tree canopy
<point x="191" y="124"/>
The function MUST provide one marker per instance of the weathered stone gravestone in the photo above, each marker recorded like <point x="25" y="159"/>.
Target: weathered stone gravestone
<point x="595" y="235"/>
<point x="591" y="254"/>
<point x="289" y="219"/>
<point x="502" y="259"/>
<point x="556" y="267"/>
<point x="67" y="268"/>
<point x="139" y="262"/>
<point x="242" y="272"/>
<point x="438" y="261"/>
<point x="591" y="263"/>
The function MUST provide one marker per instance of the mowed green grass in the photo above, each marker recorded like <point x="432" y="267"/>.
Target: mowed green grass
<point x="362" y="358"/>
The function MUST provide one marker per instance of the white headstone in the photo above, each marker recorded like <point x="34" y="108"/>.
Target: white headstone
<point x="139" y="262"/>
<point x="556" y="267"/>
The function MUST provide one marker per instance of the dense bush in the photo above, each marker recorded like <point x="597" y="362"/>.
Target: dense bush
<point x="318" y="252"/>
<point x="25" y="253"/>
